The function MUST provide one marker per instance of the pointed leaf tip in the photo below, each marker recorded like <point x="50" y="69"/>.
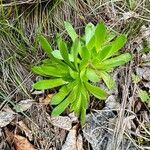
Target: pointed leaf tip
<point x="45" y="44"/>
<point x="70" y="30"/>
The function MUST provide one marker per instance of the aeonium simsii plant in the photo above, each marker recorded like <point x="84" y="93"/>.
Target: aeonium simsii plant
<point x="75" y="69"/>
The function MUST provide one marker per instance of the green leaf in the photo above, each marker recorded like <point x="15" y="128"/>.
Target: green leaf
<point x="45" y="44"/>
<point x="91" y="43"/>
<point x="71" y="31"/>
<point x="59" y="97"/>
<point x="76" y="105"/>
<point x="110" y="35"/>
<point x="94" y="53"/>
<point x="117" y="45"/>
<point x="85" y="54"/>
<point x="89" y="32"/>
<point x="74" y="74"/>
<point x="107" y="79"/>
<point x="63" y="92"/>
<point x="85" y="96"/>
<point x="55" y="58"/>
<point x="135" y="78"/>
<point x="146" y="49"/>
<point x="83" y="64"/>
<point x="38" y="70"/>
<point x="64" y="51"/>
<point x="83" y="116"/>
<point x="61" y="107"/>
<point x="81" y="101"/>
<point x="57" y="54"/>
<point x="143" y="96"/>
<point x="64" y="104"/>
<point x="48" y="84"/>
<point x="91" y="75"/>
<point x="48" y="62"/>
<point x="75" y="50"/>
<point x="102" y="55"/>
<point x="96" y="91"/>
<point x="83" y="75"/>
<point x="100" y="36"/>
<point x="50" y="71"/>
<point x="114" y="62"/>
<point x="53" y="71"/>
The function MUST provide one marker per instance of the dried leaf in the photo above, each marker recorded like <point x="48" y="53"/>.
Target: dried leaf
<point x="9" y="135"/>
<point x="24" y="105"/>
<point x="73" y="117"/>
<point x="62" y="122"/>
<point x="21" y="143"/>
<point x="6" y="118"/>
<point x="73" y="142"/>
<point x="79" y="142"/>
<point x="8" y="109"/>
<point x="46" y="100"/>
<point x="138" y="106"/>
<point x="26" y="130"/>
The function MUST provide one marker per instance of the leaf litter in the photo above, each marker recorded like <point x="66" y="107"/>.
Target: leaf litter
<point x="73" y="141"/>
<point x="26" y="130"/>
<point x="24" y="105"/>
<point x="112" y="21"/>
<point x="100" y="126"/>
<point x="21" y="143"/>
<point x="6" y="118"/>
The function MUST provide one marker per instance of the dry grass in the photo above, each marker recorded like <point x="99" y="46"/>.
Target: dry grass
<point x="21" y="21"/>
